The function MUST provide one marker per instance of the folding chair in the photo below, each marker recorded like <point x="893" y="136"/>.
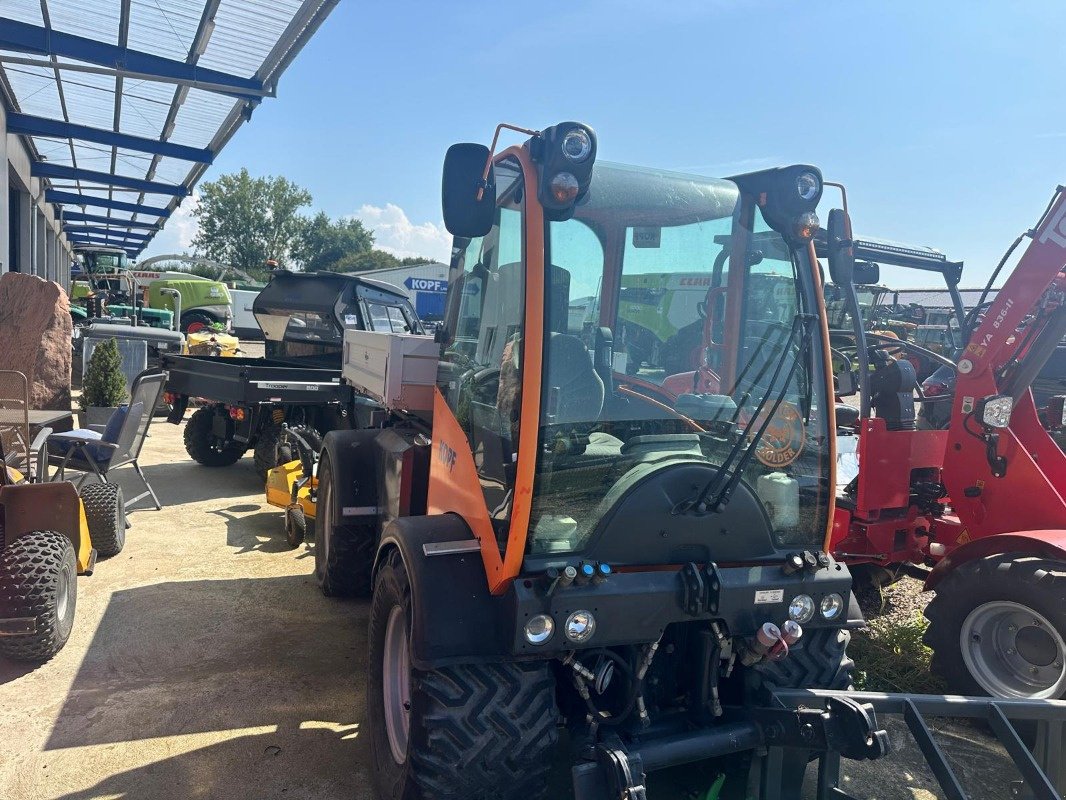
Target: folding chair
<point x="119" y="445"/>
<point x="21" y="453"/>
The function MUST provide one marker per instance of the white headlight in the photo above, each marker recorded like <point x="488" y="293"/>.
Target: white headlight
<point x="580" y="626"/>
<point x="996" y="410"/>
<point x="801" y="609"/>
<point x="539" y="629"/>
<point x="807" y="186"/>
<point x="832" y="605"/>
<point x="577" y="145"/>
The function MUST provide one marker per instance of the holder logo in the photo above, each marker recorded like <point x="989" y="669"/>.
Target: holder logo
<point x="784" y="438"/>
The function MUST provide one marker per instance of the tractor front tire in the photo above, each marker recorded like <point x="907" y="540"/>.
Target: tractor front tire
<point x="819" y="660"/>
<point x="479" y="731"/>
<point x="39" y="580"/>
<point x="997" y="627"/>
<point x="344" y="553"/>
<point x="106" y="515"/>
<point x="204" y="447"/>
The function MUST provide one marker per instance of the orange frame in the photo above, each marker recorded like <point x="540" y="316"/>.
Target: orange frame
<point x="453" y="479"/>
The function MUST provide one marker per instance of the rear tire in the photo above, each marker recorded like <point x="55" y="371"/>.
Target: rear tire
<point x="996" y="619"/>
<point x="271" y="450"/>
<point x="39" y="579"/>
<point x="344" y="554"/>
<point x="195" y="321"/>
<point x="465" y="731"/>
<point x="106" y="515"/>
<point x="204" y="447"/>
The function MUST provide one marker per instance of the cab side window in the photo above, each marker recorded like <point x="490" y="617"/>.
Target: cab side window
<point x="480" y="368"/>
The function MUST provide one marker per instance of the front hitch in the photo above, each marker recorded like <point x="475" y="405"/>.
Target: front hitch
<point x="845" y="728"/>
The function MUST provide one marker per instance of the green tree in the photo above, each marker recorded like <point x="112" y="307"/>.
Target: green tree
<point x="376" y="259"/>
<point x="104" y="385"/>
<point x="243" y="221"/>
<point x="325" y="241"/>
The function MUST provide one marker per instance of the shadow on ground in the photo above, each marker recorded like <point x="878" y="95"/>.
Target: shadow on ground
<point x="235" y="654"/>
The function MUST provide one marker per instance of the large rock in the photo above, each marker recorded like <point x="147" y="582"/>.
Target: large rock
<point x="35" y="331"/>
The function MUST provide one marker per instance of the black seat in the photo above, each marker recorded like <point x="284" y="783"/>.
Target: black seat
<point x="575" y="391"/>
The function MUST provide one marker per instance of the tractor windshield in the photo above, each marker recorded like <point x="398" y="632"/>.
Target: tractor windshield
<point x="678" y="329"/>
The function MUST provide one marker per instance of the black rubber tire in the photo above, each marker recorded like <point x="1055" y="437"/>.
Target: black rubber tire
<point x="344" y="554"/>
<point x="1037" y="583"/>
<point x="295" y="526"/>
<point x="191" y="317"/>
<point x="106" y="515"/>
<point x="200" y="442"/>
<point x="31" y="569"/>
<point x="819" y="660"/>
<point x="477" y="731"/>
<point x="271" y="449"/>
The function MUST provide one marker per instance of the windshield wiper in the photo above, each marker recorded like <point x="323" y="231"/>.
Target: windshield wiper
<point x="725" y="481"/>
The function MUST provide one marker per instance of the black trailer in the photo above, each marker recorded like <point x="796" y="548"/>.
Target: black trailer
<point x="245" y="402"/>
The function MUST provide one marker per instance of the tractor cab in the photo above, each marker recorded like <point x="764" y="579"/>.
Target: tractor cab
<point x="633" y="358"/>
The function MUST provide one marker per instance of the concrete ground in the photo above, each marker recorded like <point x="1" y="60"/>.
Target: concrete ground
<point x="204" y="663"/>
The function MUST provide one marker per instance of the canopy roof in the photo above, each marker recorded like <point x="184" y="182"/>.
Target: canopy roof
<point x="125" y="103"/>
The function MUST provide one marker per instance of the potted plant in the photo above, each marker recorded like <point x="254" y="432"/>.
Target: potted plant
<point x="104" y="386"/>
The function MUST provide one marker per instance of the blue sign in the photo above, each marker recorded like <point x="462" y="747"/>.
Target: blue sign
<point x="426" y="285"/>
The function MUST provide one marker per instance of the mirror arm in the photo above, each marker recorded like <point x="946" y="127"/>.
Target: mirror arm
<point x="484" y="184"/>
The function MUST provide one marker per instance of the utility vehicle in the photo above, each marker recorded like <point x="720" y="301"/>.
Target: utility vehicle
<point x="46" y="541"/>
<point x="546" y="537"/>
<point x="977" y="510"/>
<point x="244" y="402"/>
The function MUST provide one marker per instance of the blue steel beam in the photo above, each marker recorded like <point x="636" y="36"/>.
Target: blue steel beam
<point x="42" y="169"/>
<point x="105" y="240"/>
<point x="26" y="125"/>
<point x="76" y="216"/>
<point x="22" y="37"/>
<point x="69" y="199"/>
<point x="89" y="230"/>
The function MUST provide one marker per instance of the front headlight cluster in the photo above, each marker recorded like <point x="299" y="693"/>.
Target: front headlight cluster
<point x="578" y="629"/>
<point x="802" y="607"/>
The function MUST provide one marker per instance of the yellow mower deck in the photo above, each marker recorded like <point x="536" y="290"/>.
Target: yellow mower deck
<point x="282" y="481"/>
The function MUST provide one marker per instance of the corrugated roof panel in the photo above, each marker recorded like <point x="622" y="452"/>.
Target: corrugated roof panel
<point x="164" y="27"/>
<point x="244" y="34"/>
<point x="35" y="88"/>
<point x="23" y="11"/>
<point x="93" y="20"/>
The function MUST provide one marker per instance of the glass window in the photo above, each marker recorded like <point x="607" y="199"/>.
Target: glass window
<point x="387" y="319"/>
<point x="656" y="259"/>
<point x="480" y="370"/>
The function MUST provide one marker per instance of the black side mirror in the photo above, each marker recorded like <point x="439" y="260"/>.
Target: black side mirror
<point x="840" y="253"/>
<point x="464" y="214"/>
<point x="866" y="272"/>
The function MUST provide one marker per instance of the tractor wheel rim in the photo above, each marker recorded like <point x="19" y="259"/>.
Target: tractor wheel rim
<point x="62" y="594"/>
<point x="195" y="327"/>
<point x="1013" y="651"/>
<point x="396" y="683"/>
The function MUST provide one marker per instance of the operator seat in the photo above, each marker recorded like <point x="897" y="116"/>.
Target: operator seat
<point x="575" y="392"/>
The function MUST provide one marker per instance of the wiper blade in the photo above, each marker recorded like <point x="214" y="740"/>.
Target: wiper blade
<point x="725" y="481"/>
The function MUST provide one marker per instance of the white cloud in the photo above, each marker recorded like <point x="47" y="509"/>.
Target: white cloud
<point x="396" y="234"/>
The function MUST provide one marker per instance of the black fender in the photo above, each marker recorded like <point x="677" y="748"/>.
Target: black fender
<point x="353" y="459"/>
<point x="455" y="619"/>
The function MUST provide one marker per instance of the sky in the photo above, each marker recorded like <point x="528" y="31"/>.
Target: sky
<point x="944" y="120"/>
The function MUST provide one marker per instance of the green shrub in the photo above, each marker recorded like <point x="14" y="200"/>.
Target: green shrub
<point x="890" y="657"/>
<point x="104" y="384"/>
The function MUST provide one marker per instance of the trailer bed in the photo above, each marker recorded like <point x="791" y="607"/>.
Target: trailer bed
<point x="254" y="381"/>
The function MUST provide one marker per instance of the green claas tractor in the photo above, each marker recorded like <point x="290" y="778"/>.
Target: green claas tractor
<point x="106" y="275"/>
